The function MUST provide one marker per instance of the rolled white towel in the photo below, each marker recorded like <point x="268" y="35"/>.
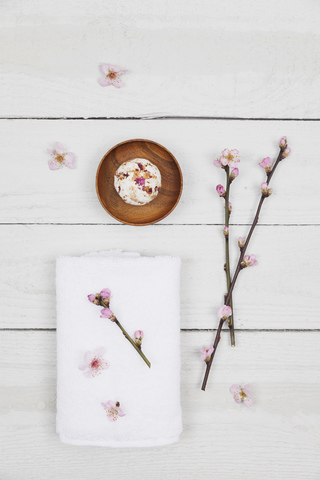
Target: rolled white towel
<point x="145" y="295"/>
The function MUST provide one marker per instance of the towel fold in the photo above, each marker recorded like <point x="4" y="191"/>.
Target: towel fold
<point x="144" y="296"/>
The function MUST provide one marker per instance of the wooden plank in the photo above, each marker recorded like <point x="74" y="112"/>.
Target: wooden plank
<point x="278" y="293"/>
<point x="277" y="438"/>
<point x="32" y="193"/>
<point x="203" y="57"/>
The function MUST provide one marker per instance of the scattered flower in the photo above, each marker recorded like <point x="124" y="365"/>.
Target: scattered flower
<point x="266" y="164"/>
<point x="286" y="152"/>
<point x="234" y="174"/>
<point x="283" y="142"/>
<point x="224" y="312"/>
<point x="241" y="242"/>
<point x="206" y="353"/>
<point x="229" y="158"/>
<point x="241" y="394"/>
<point x="226" y="232"/>
<point x="249" y="261"/>
<point x="111" y="75"/>
<point x="266" y="192"/>
<point x="94" y="363"/>
<point x="220" y="190"/>
<point x="60" y="157"/>
<point x="113" y="410"/>
<point x="138" y="336"/>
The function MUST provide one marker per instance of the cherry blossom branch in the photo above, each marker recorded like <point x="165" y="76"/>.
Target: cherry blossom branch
<point x="227" y="217"/>
<point x="244" y="262"/>
<point x="103" y="299"/>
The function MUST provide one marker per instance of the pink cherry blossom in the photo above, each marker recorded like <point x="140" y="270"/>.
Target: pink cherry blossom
<point x="59" y="157"/>
<point x="113" y="410"/>
<point x="111" y="75"/>
<point x="266" y="192"/>
<point x="94" y="363"/>
<point x="266" y="164"/>
<point x="286" y="152"/>
<point x="283" y="142"/>
<point x="224" y="312"/>
<point x="250" y="260"/>
<point x="105" y="293"/>
<point x="234" y="174"/>
<point x="206" y="353"/>
<point x="229" y="158"/>
<point x="138" y="336"/>
<point x="91" y="298"/>
<point x="226" y="231"/>
<point x="241" y="242"/>
<point x="220" y="190"/>
<point x="241" y="394"/>
<point x="106" y="313"/>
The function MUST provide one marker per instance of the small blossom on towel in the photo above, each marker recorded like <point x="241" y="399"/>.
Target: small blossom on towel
<point x="229" y="158"/>
<point x="234" y="174"/>
<point x="266" y="164"/>
<point x="106" y="313"/>
<point x="111" y="75"/>
<point x="206" y="353"/>
<point x="283" y="142"/>
<point x="220" y="190"/>
<point x="266" y="192"/>
<point x="241" y="394"/>
<point x="113" y="410"/>
<point x="138" y="336"/>
<point x="59" y="157"/>
<point x="286" y="152"/>
<point x="249" y="261"/>
<point x="94" y="363"/>
<point x="224" y="312"/>
<point x="226" y="232"/>
<point x="241" y="242"/>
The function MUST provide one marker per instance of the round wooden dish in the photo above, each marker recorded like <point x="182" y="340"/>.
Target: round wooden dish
<point x="171" y="182"/>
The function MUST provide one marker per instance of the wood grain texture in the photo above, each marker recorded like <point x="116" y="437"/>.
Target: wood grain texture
<point x="188" y="57"/>
<point x="171" y="182"/>
<point x="278" y="293"/>
<point x="277" y="438"/>
<point x="30" y="192"/>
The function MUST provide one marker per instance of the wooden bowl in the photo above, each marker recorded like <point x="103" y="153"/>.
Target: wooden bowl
<point x="171" y="182"/>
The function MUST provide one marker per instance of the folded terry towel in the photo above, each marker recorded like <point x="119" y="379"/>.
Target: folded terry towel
<point x="144" y="296"/>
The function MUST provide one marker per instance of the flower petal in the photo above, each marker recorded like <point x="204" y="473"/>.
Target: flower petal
<point x="248" y="401"/>
<point x="117" y="82"/>
<point x="49" y="151"/>
<point x="104" y="68"/>
<point x="88" y="357"/>
<point x="113" y="68"/>
<point x="82" y="367"/>
<point x="120" y="412"/>
<point x="59" y="148"/>
<point x="89" y="373"/>
<point x="110" y="403"/>
<point x="237" y="397"/>
<point x="105" y="293"/>
<point x="99" y="352"/>
<point x="104" y="82"/>
<point x="68" y="160"/>
<point x="53" y="164"/>
<point x="235" y="388"/>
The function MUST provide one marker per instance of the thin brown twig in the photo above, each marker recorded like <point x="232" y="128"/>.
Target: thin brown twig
<point x="238" y="268"/>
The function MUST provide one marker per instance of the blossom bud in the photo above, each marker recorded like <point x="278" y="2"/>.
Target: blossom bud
<point x="234" y="173"/>
<point x="266" y="192"/>
<point x="221" y="191"/>
<point x="283" y="142"/>
<point x="266" y="164"/>
<point x="206" y="353"/>
<point x="286" y="152"/>
<point x="230" y="208"/>
<point x="249" y="261"/>
<point x="226" y="232"/>
<point x="106" y="313"/>
<point x="224" y="312"/>
<point x="241" y="242"/>
<point x="138" y="336"/>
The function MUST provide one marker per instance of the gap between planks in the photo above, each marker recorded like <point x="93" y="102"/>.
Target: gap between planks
<point x="168" y="117"/>
<point x="184" y="329"/>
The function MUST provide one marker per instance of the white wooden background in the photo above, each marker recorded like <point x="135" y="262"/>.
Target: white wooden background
<point x="222" y="74"/>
